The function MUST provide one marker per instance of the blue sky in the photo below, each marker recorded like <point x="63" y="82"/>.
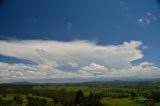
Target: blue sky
<point x="107" y="22"/>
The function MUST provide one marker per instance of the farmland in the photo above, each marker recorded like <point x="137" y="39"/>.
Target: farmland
<point x="88" y="94"/>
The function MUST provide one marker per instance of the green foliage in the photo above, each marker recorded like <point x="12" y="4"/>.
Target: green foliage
<point x="18" y="99"/>
<point x="79" y="95"/>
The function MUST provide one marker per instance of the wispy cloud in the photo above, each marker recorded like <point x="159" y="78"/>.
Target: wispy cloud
<point x="69" y="27"/>
<point x="145" y="47"/>
<point x="147" y="19"/>
<point x="122" y="3"/>
<point x="32" y="20"/>
<point x="124" y="6"/>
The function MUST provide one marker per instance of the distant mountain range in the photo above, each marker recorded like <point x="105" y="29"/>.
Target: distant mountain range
<point x="156" y="80"/>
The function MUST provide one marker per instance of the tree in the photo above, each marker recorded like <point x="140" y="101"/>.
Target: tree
<point x="78" y="97"/>
<point x="18" y="99"/>
<point x="131" y="96"/>
<point x="155" y="96"/>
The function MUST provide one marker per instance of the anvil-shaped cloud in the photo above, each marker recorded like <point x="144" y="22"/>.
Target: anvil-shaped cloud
<point x="88" y="59"/>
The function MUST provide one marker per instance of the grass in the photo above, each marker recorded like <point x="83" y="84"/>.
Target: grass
<point x="11" y="97"/>
<point x="120" y="102"/>
<point x="158" y="104"/>
<point x="108" y="90"/>
<point x="85" y="89"/>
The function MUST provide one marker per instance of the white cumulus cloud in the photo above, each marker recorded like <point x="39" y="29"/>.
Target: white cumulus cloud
<point x="88" y="58"/>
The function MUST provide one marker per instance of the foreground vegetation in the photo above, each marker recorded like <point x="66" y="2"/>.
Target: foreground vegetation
<point x="117" y="94"/>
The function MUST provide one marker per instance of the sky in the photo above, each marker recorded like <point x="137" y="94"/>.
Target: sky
<point x="79" y="40"/>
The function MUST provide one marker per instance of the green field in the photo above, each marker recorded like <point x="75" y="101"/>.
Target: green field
<point x="106" y="101"/>
<point x="80" y="95"/>
<point x="120" y="102"/>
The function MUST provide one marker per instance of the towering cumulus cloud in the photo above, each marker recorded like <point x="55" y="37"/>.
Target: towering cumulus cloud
<point x="55" y="60"/>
